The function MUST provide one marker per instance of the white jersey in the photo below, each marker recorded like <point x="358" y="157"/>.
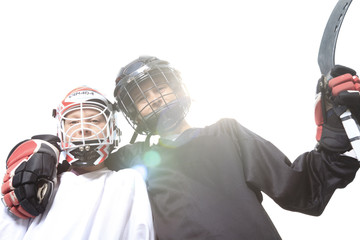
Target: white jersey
<point x="97" y="205"/>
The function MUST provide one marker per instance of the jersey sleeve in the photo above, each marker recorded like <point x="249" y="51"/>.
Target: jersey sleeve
<point x="304" y="185"/>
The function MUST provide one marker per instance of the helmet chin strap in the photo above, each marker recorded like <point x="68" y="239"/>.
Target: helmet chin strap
<point x="134" y="136"/>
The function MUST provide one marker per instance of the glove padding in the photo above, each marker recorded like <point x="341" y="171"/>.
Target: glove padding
<point x="335" y="95"/>
<point x="30" y="175"/>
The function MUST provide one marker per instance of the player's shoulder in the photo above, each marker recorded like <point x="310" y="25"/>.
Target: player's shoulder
<point x="226" y="124"/>
<point x="126" y="156"/>
<point x="230" y="126"/>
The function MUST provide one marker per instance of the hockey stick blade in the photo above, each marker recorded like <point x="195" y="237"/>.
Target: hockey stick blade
<point x="326" y="56"/>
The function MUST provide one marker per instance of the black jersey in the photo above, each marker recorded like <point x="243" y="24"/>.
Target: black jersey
<point x="207" y="183"/>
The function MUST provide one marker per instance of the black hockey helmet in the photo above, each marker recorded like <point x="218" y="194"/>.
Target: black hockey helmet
<point x="149" y="75"/>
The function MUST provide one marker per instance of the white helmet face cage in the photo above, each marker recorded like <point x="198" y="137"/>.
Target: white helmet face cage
<point x="86" y="127"/>
<point x="152" y="96"/>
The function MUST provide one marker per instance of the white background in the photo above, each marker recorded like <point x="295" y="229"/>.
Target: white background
<point x="255" y="61"/>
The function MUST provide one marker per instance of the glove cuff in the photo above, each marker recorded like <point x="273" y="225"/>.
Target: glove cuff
<point x="334" y="139"/>
<point x="54" y="140"/>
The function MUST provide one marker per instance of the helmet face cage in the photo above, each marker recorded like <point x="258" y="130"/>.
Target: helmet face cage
<point x="169" y="101"/>
<point x="85" y="142"/>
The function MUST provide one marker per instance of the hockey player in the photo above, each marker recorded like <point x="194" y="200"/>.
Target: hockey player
<point x="87" y="201"/>
<point x="207" y="183"/>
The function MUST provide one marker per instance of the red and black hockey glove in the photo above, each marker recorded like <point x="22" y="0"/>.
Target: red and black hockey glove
<point x="335" y="95"/>
<point x="30" y="175"/>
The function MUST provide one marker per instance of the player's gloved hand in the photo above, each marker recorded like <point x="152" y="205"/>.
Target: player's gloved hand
<point x="336" y="94"/>
<point x="30" y="175"/>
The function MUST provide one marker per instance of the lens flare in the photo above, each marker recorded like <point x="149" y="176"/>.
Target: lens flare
<point x="152" y="158"/>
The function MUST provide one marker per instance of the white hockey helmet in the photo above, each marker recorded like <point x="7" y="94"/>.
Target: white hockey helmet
<point x="86" y="127"/>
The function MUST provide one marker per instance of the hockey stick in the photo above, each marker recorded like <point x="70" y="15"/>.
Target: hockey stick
<point x="326" y="61"/>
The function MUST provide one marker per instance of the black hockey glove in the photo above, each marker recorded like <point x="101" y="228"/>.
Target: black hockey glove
<point x="30" y="175"/>
<point x="335" y="95"/>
